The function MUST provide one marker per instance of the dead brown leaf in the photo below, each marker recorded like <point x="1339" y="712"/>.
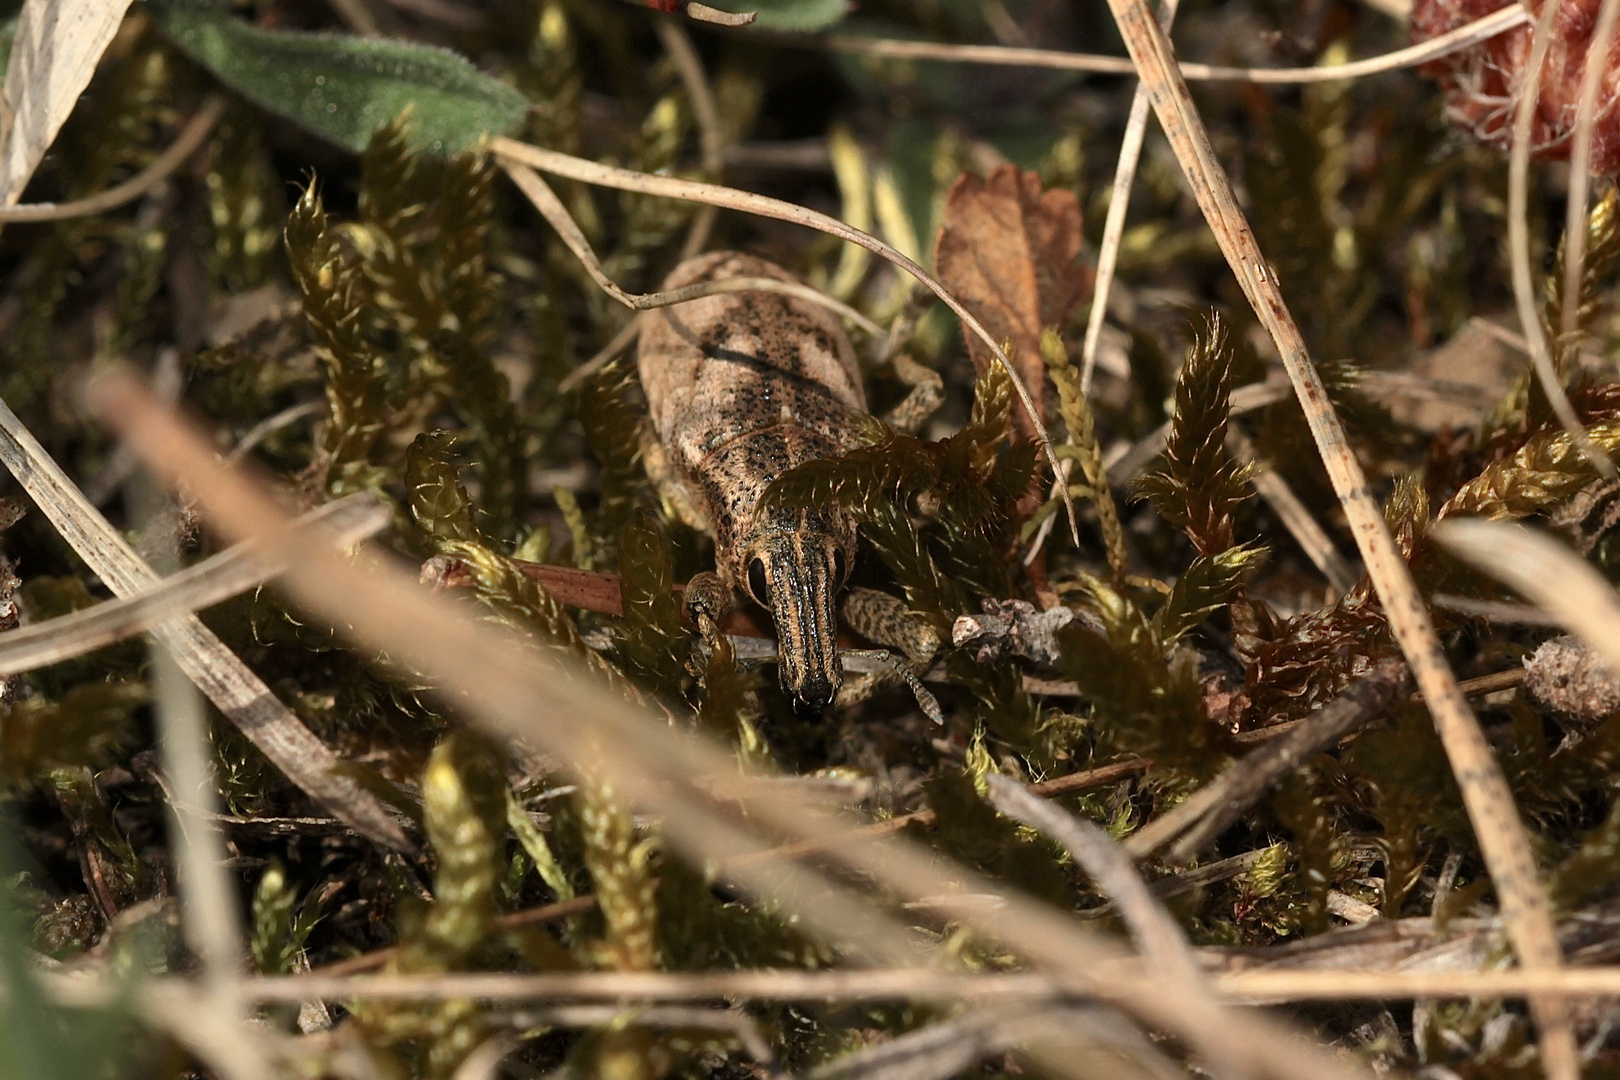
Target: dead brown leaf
<point x="1010" y="252"/>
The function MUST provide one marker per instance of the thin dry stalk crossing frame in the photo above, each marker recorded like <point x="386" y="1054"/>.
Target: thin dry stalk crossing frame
<point x="1486" y="795"/>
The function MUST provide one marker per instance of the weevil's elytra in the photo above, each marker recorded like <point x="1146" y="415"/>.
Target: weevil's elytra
<point x="743" y="387"/>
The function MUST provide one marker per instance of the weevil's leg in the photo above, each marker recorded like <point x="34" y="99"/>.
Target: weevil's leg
<point x="891" y="670"/>
<point x="708" y="601"/>
<point x="884" y="619"/>
<point x="927" y="391"/>
<point x="887" y="621"/>
<point x="671" y="488"/>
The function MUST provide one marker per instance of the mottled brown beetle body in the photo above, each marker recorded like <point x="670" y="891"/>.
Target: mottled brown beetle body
<point x="743" y="387"/>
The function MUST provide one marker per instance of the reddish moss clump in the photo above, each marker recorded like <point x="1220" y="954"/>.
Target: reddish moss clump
<point x="1482" y="82"/>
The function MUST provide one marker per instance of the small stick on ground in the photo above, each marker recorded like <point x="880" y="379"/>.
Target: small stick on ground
<point x="1211" y="810"/>
<point x="1486" y="795"/>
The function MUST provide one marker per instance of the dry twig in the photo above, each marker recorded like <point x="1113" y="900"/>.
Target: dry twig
<point x="1203" y="816"/>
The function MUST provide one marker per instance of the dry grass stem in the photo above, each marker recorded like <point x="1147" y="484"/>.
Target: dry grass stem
<point x="1267" y="985"/>
<point x="1518" y="214"/>
<point x="219" y="577"/>
<point x="604" y="356"/>
<point x="1486" y="795"/>
<point x="238" y="693"/>
<point x="1130" y="154"/>
<point x="545" y="200"/>
<point x="208" y="907"/>
<point x="273" y="423"/>
<point x="1312" y="539"/>
<point x="1580" y="161"/>
<point x="1494" y="611"/>
<point x="177" y="153"/>
<point x="711" y="141"/>
<point x="1541" y="568"/>
<point x="506" y="689"/>
<point x="1489" y="26"/>
<point x="234" y="1050"/>
<point x="514" y="154"/>
<point x="57" y="45"/>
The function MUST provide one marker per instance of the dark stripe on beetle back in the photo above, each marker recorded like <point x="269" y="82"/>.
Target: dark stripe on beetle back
<point x="769" y="371"/>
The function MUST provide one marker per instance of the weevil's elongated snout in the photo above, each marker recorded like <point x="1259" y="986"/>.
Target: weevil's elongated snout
<point x="798" y="573"/>
<point x="807" y="639"/>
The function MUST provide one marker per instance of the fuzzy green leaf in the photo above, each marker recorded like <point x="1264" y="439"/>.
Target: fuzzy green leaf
<point x="346" y="88"/>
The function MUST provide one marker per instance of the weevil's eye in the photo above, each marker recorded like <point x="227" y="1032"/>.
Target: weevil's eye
<point x="756" y="582"/>
<point x="840" y="568"/>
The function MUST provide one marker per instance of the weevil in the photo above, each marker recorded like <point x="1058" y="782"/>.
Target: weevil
<point x="742" y="387"/>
